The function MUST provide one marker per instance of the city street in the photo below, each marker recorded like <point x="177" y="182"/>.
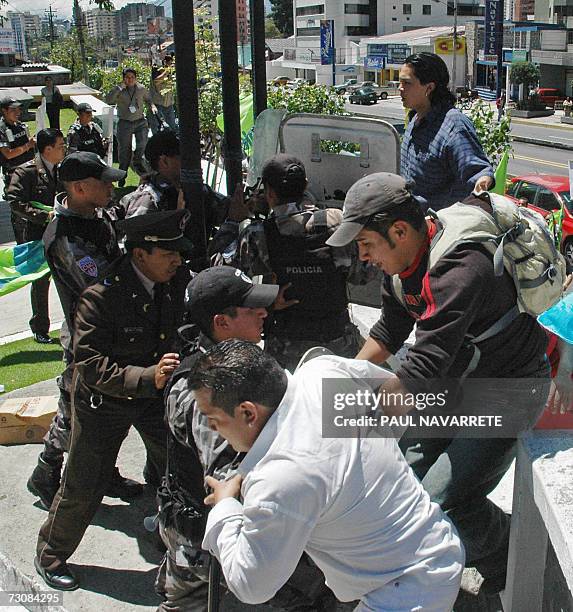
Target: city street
<point x="527" y="158"/>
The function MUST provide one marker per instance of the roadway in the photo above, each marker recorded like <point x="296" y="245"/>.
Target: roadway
<point x="527" y="158"/>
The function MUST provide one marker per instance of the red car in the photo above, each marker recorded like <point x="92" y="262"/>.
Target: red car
<point x="549" y="95"/>
<point x="545" y="193"/>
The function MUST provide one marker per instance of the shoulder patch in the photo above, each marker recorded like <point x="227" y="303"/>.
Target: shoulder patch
<point x="88" y="266"/>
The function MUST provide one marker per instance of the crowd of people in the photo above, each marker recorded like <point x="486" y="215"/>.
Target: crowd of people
<point x="234" y="433"/>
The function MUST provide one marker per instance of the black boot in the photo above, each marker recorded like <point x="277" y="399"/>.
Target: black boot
<point x="45" y="480"/>
<point x="124" y="488"/>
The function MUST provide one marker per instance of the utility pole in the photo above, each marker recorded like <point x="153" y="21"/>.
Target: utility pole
<point x="80" y="30"/>
<point x="51" y="14"/>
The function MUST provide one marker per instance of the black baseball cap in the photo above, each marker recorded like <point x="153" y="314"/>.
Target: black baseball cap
<point x="372" y="194"/>
<point x="215" y="289"/>
<point x="9" y="102"/>
<point x="163" y="229"/>
<point x="84" y="164"/>
<point x="284" y="172"/>
<point x="84" y="107"/>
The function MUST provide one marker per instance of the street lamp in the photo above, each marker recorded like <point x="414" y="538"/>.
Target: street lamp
<point x="455" y="34"/>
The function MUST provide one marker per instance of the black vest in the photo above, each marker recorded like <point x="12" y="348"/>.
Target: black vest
<point x="307" y="263"/>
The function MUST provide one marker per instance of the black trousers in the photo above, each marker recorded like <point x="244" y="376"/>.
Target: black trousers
<point x="53" y="112"/>
<point x="40" y="321"/>
<point x="98" y="430"/>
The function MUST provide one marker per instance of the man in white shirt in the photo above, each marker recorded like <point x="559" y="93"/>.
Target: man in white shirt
<point x="352" y="504"/>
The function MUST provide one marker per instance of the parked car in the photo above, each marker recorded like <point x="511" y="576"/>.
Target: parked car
<point x="294" y="83"/>
<point x="342" y="89"/>
<point x="545" y="193"/>
<point x="280" y="80"/>
<point x="549" y="95"/>
<point x="383" y="91"/>
<point x="364" y="95"/>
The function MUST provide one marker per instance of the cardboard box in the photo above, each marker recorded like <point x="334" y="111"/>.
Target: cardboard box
<point x="26" y="420"/>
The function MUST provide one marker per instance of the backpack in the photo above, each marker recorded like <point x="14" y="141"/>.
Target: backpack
<point x="520" y="243"/>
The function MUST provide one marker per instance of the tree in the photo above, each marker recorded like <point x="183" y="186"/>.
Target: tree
<point x="271" y="30"/>
<point x="526" y="74"/>
<point x="281" y="14"/>
<point x="68" y="53"/>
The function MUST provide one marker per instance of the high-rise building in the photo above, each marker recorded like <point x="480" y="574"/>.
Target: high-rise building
<point x="29" y="24"/>
<point x="136" y="12"/>
<point x="210" y="9"/>
<point x="102" y="24"/>
<point x="523" y="10"/>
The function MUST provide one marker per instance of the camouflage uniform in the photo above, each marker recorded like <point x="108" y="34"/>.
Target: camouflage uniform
<point x="288" y="247"/>
<point x="154" y="195"/>
<point x="86" y="138"/>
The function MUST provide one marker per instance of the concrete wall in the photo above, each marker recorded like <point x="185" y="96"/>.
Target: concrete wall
<point x="61" y="76"/>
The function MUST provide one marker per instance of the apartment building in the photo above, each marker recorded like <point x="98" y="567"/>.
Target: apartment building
<point x="102" y="23"/>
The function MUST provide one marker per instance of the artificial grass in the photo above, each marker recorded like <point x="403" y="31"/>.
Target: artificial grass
<point x="26" y="362"/>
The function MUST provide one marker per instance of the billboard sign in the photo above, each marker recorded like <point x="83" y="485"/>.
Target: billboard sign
<point x="7" y="41"/>
<point x="374" y="62"/>
<point x="326" y="41"/>
<point x="444" y="45"/>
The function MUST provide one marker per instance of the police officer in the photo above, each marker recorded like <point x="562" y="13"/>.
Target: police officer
<point x="80" y="245"/>
<point x="161" y="189"/>
<point x="124" y="342"/>
<point x="31" y="195"/>
<point x="16" y="146"/>
<point x="221" y="303"/>
<point x="288" y="247"/>
<point x="86" y="135"/>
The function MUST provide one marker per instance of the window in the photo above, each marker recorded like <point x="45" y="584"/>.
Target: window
<point x="308" y="31"/>
<point x="546" y="200"/>
<point x="407" y="9"/>
<point x="467" y="10"/>
<point x="314" y="9"/>
<point x="426" y="9"/>
<point x="357" y="30"/>
<point x="527" y="191"/>
<point x="357" y="9"/>
<point x="394" y="19"/>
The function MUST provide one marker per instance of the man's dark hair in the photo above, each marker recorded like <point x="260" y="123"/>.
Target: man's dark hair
<point x="128" y="70"/>
<point x="409" y="211"/>
<point x="237" y="371"/>
<point x="206" y="324"/>
<point x="47" y="138"/>
<point x="164" y="142"/>
<point x="431" y="68"/>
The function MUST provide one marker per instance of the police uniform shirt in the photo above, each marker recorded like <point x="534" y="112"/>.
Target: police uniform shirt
<point x="86" y="138"/>
<point x="11" y="137"/>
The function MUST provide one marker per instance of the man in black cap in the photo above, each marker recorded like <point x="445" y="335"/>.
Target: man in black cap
<point x="124" y="341"/>
<point x="220" y="303"/>
<point x="16" y="146"/>
<point x="31" y="195"/>
<point x="460" y="308"/>
<point x="288" y="247"/>
<point x="86" y="135"/>
<point x="80" y="245"/>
